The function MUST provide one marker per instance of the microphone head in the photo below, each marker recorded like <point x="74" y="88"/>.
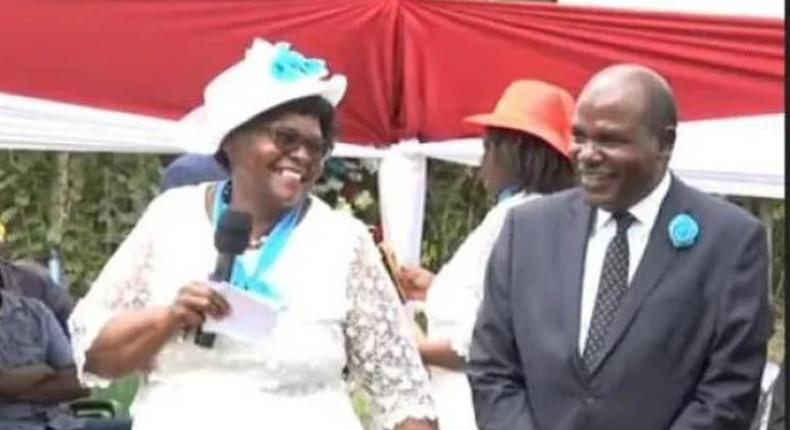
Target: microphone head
<point x="233" y="232"/>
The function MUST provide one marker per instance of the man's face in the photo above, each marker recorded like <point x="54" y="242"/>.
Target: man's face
<point x="618" y="158"/>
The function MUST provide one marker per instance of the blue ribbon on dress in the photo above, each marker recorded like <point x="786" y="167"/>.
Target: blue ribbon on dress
<point x="267" y="254"/>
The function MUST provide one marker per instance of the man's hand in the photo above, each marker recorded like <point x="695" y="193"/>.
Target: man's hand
<point x="16" y="380"/>
<point x="415" y="281"/>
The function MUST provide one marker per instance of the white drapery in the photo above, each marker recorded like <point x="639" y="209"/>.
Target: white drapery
<point x="736" y="156"/>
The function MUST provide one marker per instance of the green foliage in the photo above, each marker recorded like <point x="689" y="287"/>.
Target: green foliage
<point x="455" y="205"/>
<point x="350" y="185"/>
<point x="85" y="204"/>
<point x="24" y="197"/>
<point x="776" y="346"/>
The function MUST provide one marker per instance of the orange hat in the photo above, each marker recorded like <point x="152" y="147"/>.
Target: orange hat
<point x="534" y="107"/>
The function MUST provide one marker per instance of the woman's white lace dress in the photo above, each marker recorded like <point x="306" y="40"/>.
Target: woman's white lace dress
<point x="451" y="306"/>
<point x="342" y="312"/>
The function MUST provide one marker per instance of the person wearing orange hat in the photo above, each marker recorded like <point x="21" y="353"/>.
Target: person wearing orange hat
<point x="526" y="140"/>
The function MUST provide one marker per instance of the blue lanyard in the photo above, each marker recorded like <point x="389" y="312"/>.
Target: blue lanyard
<point x="268" y="253"/>
<point x="506" y="193"/>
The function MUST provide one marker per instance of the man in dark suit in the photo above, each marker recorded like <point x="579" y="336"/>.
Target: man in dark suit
<point x="631" y="302"/>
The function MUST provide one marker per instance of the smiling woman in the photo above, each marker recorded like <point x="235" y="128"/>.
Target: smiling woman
<point x="270" y="118"/>
<point x="276" y="157"/>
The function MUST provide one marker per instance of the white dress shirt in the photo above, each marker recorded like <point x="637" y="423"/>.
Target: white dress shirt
<point x="603" y="230"/>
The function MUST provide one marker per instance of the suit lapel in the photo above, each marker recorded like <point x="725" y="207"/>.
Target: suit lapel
<point x="573" y="246"/>
<point x="656" y="260"/>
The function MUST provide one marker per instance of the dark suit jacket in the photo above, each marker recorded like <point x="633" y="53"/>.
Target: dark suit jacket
<point x="685" y="351"/>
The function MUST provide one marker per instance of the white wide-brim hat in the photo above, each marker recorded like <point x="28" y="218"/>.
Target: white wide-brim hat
<point x="268" y="76"/>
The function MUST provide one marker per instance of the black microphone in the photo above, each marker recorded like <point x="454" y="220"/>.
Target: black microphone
<point x="230" y="239"/>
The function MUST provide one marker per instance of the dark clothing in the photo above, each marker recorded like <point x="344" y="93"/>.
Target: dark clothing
<point x="686" y="348"/>
<point x="30" y="335"/>
<point x="29" y="279"/>
<point x="192" y="169"/>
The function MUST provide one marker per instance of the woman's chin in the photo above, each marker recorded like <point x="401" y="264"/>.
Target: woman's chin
<point x="289" y="197"/>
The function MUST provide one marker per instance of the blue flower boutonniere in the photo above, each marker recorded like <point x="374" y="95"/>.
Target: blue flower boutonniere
<point x="289" y="65"/>
<point x="683" y="231"/>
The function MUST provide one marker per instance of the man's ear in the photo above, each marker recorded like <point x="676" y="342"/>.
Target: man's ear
<point x="666" y="140"/>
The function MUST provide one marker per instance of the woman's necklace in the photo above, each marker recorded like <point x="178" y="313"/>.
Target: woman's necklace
<point x="254" y="280"/>
<point x="255" y="243"/>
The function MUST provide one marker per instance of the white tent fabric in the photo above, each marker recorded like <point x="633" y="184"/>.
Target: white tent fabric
<point x="736" y="156"/>
<point x="37" y="124"/>
<point x="741" y="156"/>
<point x="402" y="186"/>
<point x="43" y="125"/>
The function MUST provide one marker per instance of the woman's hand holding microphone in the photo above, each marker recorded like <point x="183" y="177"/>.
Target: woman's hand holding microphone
<point x="194" y="302"/>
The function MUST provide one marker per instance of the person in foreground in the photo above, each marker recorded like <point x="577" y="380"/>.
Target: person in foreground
<point x="272" y="117"/>
<point x="526" y="146"/>
<point x="632" y="302"/>
<point x="29" y="279"/>
<point x="37" y="374"/>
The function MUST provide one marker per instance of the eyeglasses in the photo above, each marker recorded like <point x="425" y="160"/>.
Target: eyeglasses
<point x="288" y="139"/>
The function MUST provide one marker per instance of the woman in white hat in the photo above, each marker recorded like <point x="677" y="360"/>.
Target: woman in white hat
<point x="270" y="120"/>
<point x="526" y="141"/>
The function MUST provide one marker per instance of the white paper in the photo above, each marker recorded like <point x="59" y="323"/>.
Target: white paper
<point x="251" y="317"/>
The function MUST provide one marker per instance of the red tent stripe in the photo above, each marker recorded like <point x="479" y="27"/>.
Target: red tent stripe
<point x="415" y="68"/>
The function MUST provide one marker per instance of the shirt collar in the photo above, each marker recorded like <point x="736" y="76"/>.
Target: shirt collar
<point x="645" y="211"/>
<point x="521" y="196"/>
<point x="506" y="193"/>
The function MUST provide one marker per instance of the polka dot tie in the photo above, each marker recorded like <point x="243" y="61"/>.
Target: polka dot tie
<point x="611" y="288"/>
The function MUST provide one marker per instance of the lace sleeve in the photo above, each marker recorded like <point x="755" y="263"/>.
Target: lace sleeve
<point x="121" y="285"/>
<point x="382" y="357"/>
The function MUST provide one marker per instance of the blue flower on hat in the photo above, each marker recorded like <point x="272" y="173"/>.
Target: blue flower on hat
<point x="289" y="65"/>
<point x="683" y="231"/>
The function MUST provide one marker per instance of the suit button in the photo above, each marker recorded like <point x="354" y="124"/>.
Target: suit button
<point x="589" y="400"/>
